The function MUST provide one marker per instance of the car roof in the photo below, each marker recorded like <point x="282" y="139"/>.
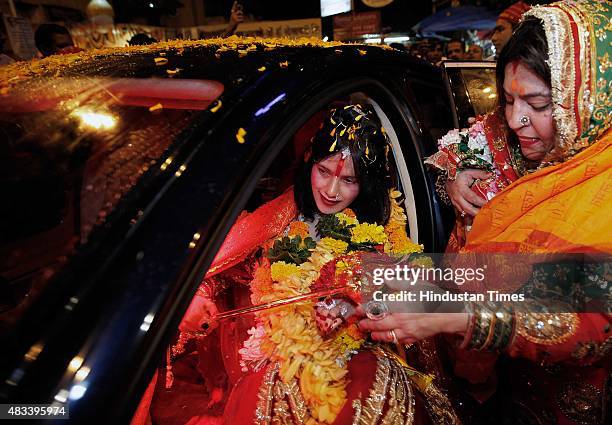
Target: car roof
<point x="117" y="61"/>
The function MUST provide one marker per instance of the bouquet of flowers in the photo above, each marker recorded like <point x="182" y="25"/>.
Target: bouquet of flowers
<point x="313" y="341"/>
<point x="468" y="148"/>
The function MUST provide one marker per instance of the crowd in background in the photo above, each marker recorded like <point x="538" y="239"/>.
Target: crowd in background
<point x="53" y="38"/>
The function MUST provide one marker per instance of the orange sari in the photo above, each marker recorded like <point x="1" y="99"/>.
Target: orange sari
<point x="562" y="208"/>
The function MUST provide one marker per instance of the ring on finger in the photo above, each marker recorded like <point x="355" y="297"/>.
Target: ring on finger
<point x="393" y="336"/>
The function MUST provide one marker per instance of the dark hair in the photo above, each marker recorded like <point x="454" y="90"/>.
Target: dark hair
<point x="527" y="45"/>
<point x="43" y="37"/>
<point x="360" y="132"/>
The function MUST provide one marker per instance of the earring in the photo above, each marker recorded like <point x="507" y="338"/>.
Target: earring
<point x="524" y="120"/>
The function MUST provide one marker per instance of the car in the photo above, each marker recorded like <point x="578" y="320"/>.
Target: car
<point x="124" y="169"/>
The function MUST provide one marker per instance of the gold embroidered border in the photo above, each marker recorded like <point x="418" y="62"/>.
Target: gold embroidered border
<point x="546" y="328"/>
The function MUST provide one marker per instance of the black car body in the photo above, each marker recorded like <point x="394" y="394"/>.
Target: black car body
<point x="109" y="229"/>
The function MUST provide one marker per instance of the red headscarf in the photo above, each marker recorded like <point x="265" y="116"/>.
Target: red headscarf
<point x="513" y="13"/>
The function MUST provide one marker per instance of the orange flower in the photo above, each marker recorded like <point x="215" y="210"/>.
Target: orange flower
<point x="298" y="228"/>
<point x="349" y="212"/>
<point x="354" y="332"/>
<point x="262" y="282"/>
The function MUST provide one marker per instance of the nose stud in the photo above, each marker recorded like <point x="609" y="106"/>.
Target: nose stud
<point x="337" y="197"/>
<point x="524" y="120"/>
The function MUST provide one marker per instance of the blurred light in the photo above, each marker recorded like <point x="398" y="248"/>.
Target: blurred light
<point x="326" y="38"/>
<point x="373" y="40"/>
<point x="15" y="377"/>
<point x="180" y="170"/>
<point x="75" y="364"/>
<point x="77" y="391"/>
<point x="146" y="323"/>
<point x="269" y="105"/>
<point x="33" y="352"/>
<point x="82" y="373"/>
<point x="62" y="396"/>
<point x="396" y="39"/>
<point x="151" y="5"/>
<point x="167" y="162"/>
<point x="486" y="90"/>
<point x="492" y="96"/>
<point x="95" y="120"/>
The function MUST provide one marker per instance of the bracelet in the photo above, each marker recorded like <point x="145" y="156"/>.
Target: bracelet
<point x="481" y="327"/>
<point x="505" y="330"/>
<point x="489" y="330"/>
<point x="203" y="290"/>
<point x="469" y="332"/>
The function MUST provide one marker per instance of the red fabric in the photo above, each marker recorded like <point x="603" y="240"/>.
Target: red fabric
<point x="252" y="230"/>
<point x="514" y="13"/>
<point x="141" y="417"/>
<point x="242" y="403"/>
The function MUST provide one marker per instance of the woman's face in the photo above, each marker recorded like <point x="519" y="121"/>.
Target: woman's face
<point x="334" y="184"/>
<point x="529" y="110"/>
<point x="501" y="34"/>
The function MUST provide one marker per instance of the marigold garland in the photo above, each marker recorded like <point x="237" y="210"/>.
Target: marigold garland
<point x="298" y="228"/>
<point x="291" y="333"/>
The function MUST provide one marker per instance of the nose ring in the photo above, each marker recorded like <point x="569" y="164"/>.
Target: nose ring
<point x="524" y="120"/>
<point x="337" y="197"/>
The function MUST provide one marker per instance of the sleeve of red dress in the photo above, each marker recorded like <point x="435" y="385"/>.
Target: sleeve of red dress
<point x="252" y="230"/>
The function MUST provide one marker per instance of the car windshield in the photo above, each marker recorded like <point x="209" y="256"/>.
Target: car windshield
<point x="73" y="148"/>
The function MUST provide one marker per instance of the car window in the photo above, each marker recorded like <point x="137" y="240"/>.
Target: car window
<point x="473" y="89"/>
<point x="72" y="150"/>
<point x="481" y="88"/>
<point x="434" y="107"/>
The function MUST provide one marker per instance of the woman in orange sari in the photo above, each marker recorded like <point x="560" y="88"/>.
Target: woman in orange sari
<point x="554" y="80"/>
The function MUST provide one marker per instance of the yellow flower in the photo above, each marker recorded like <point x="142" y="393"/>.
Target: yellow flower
<point x="342" y="266"/>
<point x="346" y="219"/>
<point x="298" y="228"/>
<point x="335" y="246"/>
<point x="423" y="261"/>
<point x="281" y="270"/>
<point x="401" y="243"/>
<point x="366" y="232"/>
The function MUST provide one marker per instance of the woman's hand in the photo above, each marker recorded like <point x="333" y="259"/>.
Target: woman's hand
<point x="411" y="327"/>
<point x="201" y="311"/>
<point x="460" y="193"/>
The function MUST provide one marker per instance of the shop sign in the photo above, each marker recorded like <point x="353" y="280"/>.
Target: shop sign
<point x="355" y="25"/>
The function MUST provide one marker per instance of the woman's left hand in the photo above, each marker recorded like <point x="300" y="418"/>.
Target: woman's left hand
<point x="411" y="327"/>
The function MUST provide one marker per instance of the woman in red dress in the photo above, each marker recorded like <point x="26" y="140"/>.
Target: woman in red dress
<point x="306" y="362"/>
